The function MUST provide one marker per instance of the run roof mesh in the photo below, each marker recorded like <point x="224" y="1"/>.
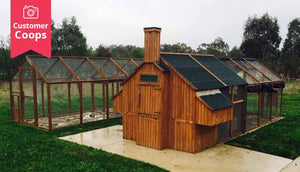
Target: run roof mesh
<point x="259" y="72"/>
<point x="66" y="68"/>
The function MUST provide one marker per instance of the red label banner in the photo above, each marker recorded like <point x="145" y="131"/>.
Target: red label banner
<point x="30" y="27"/>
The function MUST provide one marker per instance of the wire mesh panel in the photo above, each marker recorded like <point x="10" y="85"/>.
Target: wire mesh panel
<point x="98" y="95"/>
<point x="252" y="110"/>
<point x="85" y="71"/>
<point x="129" y="68"/>
<point x="44" y="64"/>
<point x="15" y="82"/>
<point x="59" y="99"/>
<point x="265" y="107"/>
<point x="238" y="71"/>
<point x="238" y="112"/>
<point x="264" y="70"/>
<point x="223" y="130"/>
<point x="276" y="103"/>
<point x="27" y="85"/>
<point x="127" y="65"/>
<point x="139" y="61"/>
<point x="252" y="70"/>
<point x="58" y="72"/>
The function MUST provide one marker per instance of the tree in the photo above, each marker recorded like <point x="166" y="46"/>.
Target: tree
<point x="218" y="48"/>
<point x="127" y="51"/>
<point x="7" y="65"/>
<point x="261" y="39"/>
<point x="68" y="39"/>
<point x="137" y="52"/>
<point x="102" y="51"/>
<point x="176" y="48"/>
<point x="291" y="50"/>
<point x="235" y="52"/>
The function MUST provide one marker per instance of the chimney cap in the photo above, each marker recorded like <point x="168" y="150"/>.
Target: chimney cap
<point x="150" y="28"/>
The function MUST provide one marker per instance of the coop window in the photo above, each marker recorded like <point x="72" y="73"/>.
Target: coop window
<point x="149" y="78"/>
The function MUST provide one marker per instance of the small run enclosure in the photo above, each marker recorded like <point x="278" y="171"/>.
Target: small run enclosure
<point x="263" y="98"/>
<point x="62" y="90"/>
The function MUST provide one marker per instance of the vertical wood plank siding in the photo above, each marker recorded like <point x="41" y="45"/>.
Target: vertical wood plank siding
<point x="205" y="116"/>
<point x="167" y="114"/>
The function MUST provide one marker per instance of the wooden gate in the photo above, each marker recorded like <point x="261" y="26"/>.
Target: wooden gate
<point x="24" y="95"/>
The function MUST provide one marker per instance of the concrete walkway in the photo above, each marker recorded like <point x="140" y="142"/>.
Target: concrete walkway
<point x="293" y="166"/>
<point x="218" y="158"/>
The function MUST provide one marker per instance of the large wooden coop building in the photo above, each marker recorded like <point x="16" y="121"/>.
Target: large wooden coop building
<point x="189" y="102"/>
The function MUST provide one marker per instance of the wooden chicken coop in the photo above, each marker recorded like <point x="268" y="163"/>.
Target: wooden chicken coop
<point x="189" y="102"/>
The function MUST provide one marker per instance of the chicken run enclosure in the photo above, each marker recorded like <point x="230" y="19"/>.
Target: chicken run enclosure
<point x="60" y="91"/>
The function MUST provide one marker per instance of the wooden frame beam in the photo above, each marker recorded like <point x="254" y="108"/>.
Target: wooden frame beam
<point x="36" y="69"/>
<point x="122" y="70"/>
<point x="51" y="66"/>
<point x="135" y="63"/>
<point x="83" y="60"/>
<point x="49" y="106"/>
<point x="69" y="68"/>
<point x="96" y="68"/>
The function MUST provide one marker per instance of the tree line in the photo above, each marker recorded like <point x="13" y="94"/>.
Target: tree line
<point x="261" y="40"/>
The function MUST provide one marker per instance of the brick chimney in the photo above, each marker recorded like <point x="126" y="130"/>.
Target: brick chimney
<point x="152" y="44"/>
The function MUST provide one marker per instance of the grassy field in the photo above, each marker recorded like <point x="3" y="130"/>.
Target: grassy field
<point x="281" y="138"/>
<point x="25" y="148"/>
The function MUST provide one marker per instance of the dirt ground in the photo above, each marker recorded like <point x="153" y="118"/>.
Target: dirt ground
<point x="73" y="119"/>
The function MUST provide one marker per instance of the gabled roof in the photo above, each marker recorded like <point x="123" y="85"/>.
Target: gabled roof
<point x="158" y="65"/>
<point x="210" y="75"/>
<point x="67" y="68"/>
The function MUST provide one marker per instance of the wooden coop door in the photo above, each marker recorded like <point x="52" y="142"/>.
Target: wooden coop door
<point x="150" y="98"/>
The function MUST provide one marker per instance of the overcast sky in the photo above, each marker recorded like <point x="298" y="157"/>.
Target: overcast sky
<point x="190" y="21"/>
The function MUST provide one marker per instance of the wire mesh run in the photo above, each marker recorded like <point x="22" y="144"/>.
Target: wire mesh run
<point x="60" y="91"/>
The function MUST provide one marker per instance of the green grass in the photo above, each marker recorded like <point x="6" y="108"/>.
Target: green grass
<point x="25" y="148"/>
<point x="281" y="138"/>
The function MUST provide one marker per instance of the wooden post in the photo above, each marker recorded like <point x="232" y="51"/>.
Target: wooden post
<point x="107" y="100"/>
<point x="118" y="86"/>
<point x="271" y="105"/>
<point x="103" y="96"/>
<point x="281" y="95"/>
<point x="69" y="97"/>
<point x="49" y="106"/>
<point x="80" y="103"/>
<point x="93" y="95"/>
<point x="231" y="121"/>
<point x="244" y="111"/>
<point x="22" y="98"/>
<point x="43" y="98"/>
<point x="112" y="89"/>
<point x="259" y="108"/>
<point x="11" y="101"/>
<point x="36" y="117"/>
